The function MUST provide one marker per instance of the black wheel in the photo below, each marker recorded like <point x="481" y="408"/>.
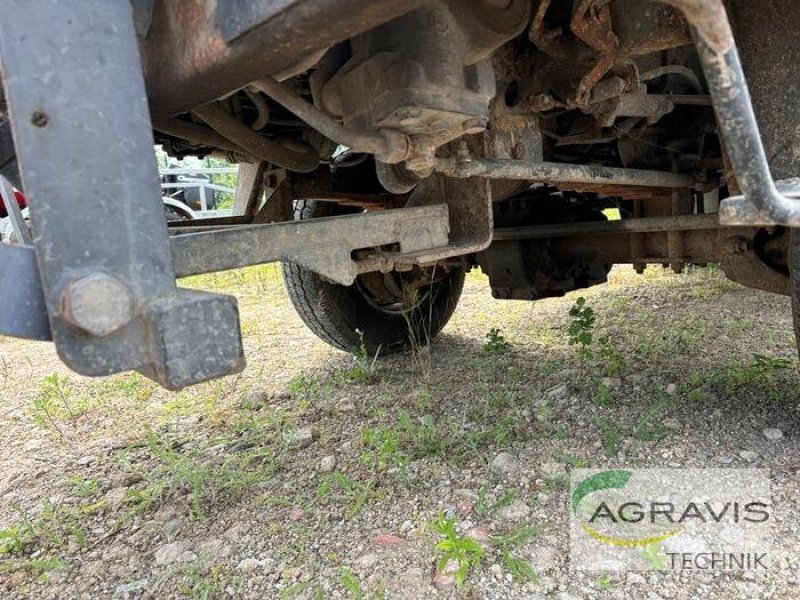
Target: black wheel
<point x="389" y="310"/>
<point x="176" y="213"/>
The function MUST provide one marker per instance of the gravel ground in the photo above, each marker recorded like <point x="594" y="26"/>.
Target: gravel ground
<point x="314" y="474"/>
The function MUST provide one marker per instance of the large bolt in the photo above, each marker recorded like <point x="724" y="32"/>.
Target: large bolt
<point x="99" y="304"/>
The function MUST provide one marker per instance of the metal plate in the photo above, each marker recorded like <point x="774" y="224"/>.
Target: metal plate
<point x="76" y="98"/>
<point x="237" y="17"/>
<point x="23" y="312"/>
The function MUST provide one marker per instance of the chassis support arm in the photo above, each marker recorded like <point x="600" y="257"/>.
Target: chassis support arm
<point x="76" y="97"/>
<point x="762" y="202"/>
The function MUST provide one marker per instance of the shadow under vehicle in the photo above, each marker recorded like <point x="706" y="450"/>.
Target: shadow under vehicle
<point x="385" y="147"/>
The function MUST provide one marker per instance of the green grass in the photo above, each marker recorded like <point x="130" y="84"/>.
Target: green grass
<point x="304" y="385"/>
<point x="351" y="584"/>
<point x="581" y="326"/>
<point x="202" y="482"/>
<point x="200" y="580"/>
<point x="556" y="482"/>
<point x="611" y="432"/>
<point x="574" y="461"/>
<point x="129" y="386"/>
<point x="246" y="281"/>
<point x="455" y="405"/>
<point x="604" y="582"/>
<point x="57" y="404"/>
<point x="649" y="426"/>
<point x="508" y="543"/>
<point x="486" y="508"/>
<point x="339" y="489"/>
<point x="38" y="566"/>
<point x="47" y="533"/>
<point x="614" y="359"/>
<point x="496" y="342"/>
<point x="365" y="367"/>
<point x="413" y="437"/>
<point x="771" y="378"/>
<point x="84" y="488"/>
<point x="603" y="396"/>
<point x="466" y="552"/>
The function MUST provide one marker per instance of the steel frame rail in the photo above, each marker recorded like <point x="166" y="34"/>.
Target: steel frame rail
<point x="763" y="202"/>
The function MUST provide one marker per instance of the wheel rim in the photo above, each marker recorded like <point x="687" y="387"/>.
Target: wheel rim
<point x="389" y="293"/>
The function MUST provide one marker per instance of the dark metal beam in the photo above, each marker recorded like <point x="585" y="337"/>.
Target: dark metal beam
<point x="199" y="50"/>
<point x="324" y="246"/>
<point x="23" y="312"/>
<point x="558" y="173"/>
<point x="645" y="225"/>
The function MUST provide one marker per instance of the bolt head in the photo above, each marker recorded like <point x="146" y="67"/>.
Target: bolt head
<point x="99" y="304"/>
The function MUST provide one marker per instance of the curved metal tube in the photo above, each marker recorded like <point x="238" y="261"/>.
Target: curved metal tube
<point x="737" y="121"/>
<point x="680" y="70"/>
<point x="377" y="143"/>
<point x="197" y="134"/>
<point x="260" y="102"/>
<point x="303" y="161"/>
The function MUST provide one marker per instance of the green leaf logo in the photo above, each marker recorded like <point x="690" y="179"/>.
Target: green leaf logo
<point x="599" y="481"/>
<point x="612" y="480"/>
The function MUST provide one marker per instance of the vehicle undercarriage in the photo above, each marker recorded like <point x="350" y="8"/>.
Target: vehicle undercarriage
<point x="385" y="148"/>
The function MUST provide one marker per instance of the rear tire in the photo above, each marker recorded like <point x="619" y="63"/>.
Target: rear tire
<point x="341" y="315"/>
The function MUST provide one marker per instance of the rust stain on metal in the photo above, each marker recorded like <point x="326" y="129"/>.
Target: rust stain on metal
<point x="540" y="36"/>
<point x="710" y="19"/>
<point x="591" y="22"/>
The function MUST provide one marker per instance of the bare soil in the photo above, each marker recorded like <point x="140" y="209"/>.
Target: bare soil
<point x="314" y="474"/>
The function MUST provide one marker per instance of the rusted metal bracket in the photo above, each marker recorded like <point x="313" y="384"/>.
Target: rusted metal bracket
<point x="199" y="50"/>
<point x="324" y="246"/>
<point x="560" y="173"/>
<point x="591" y="22"/>
<point x="740" y="210"/>
<point x="471" y="219"/>
<point x="635" y="225"/>
<point x="763" y="201"/>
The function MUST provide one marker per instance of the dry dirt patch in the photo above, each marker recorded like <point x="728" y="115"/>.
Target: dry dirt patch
<point x="314" y="475"/>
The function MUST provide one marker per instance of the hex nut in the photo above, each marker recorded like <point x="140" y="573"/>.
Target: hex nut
<point x="99" y="304"/>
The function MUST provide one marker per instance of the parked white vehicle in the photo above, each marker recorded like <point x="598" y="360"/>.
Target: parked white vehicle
<point x="7" y="229"/>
